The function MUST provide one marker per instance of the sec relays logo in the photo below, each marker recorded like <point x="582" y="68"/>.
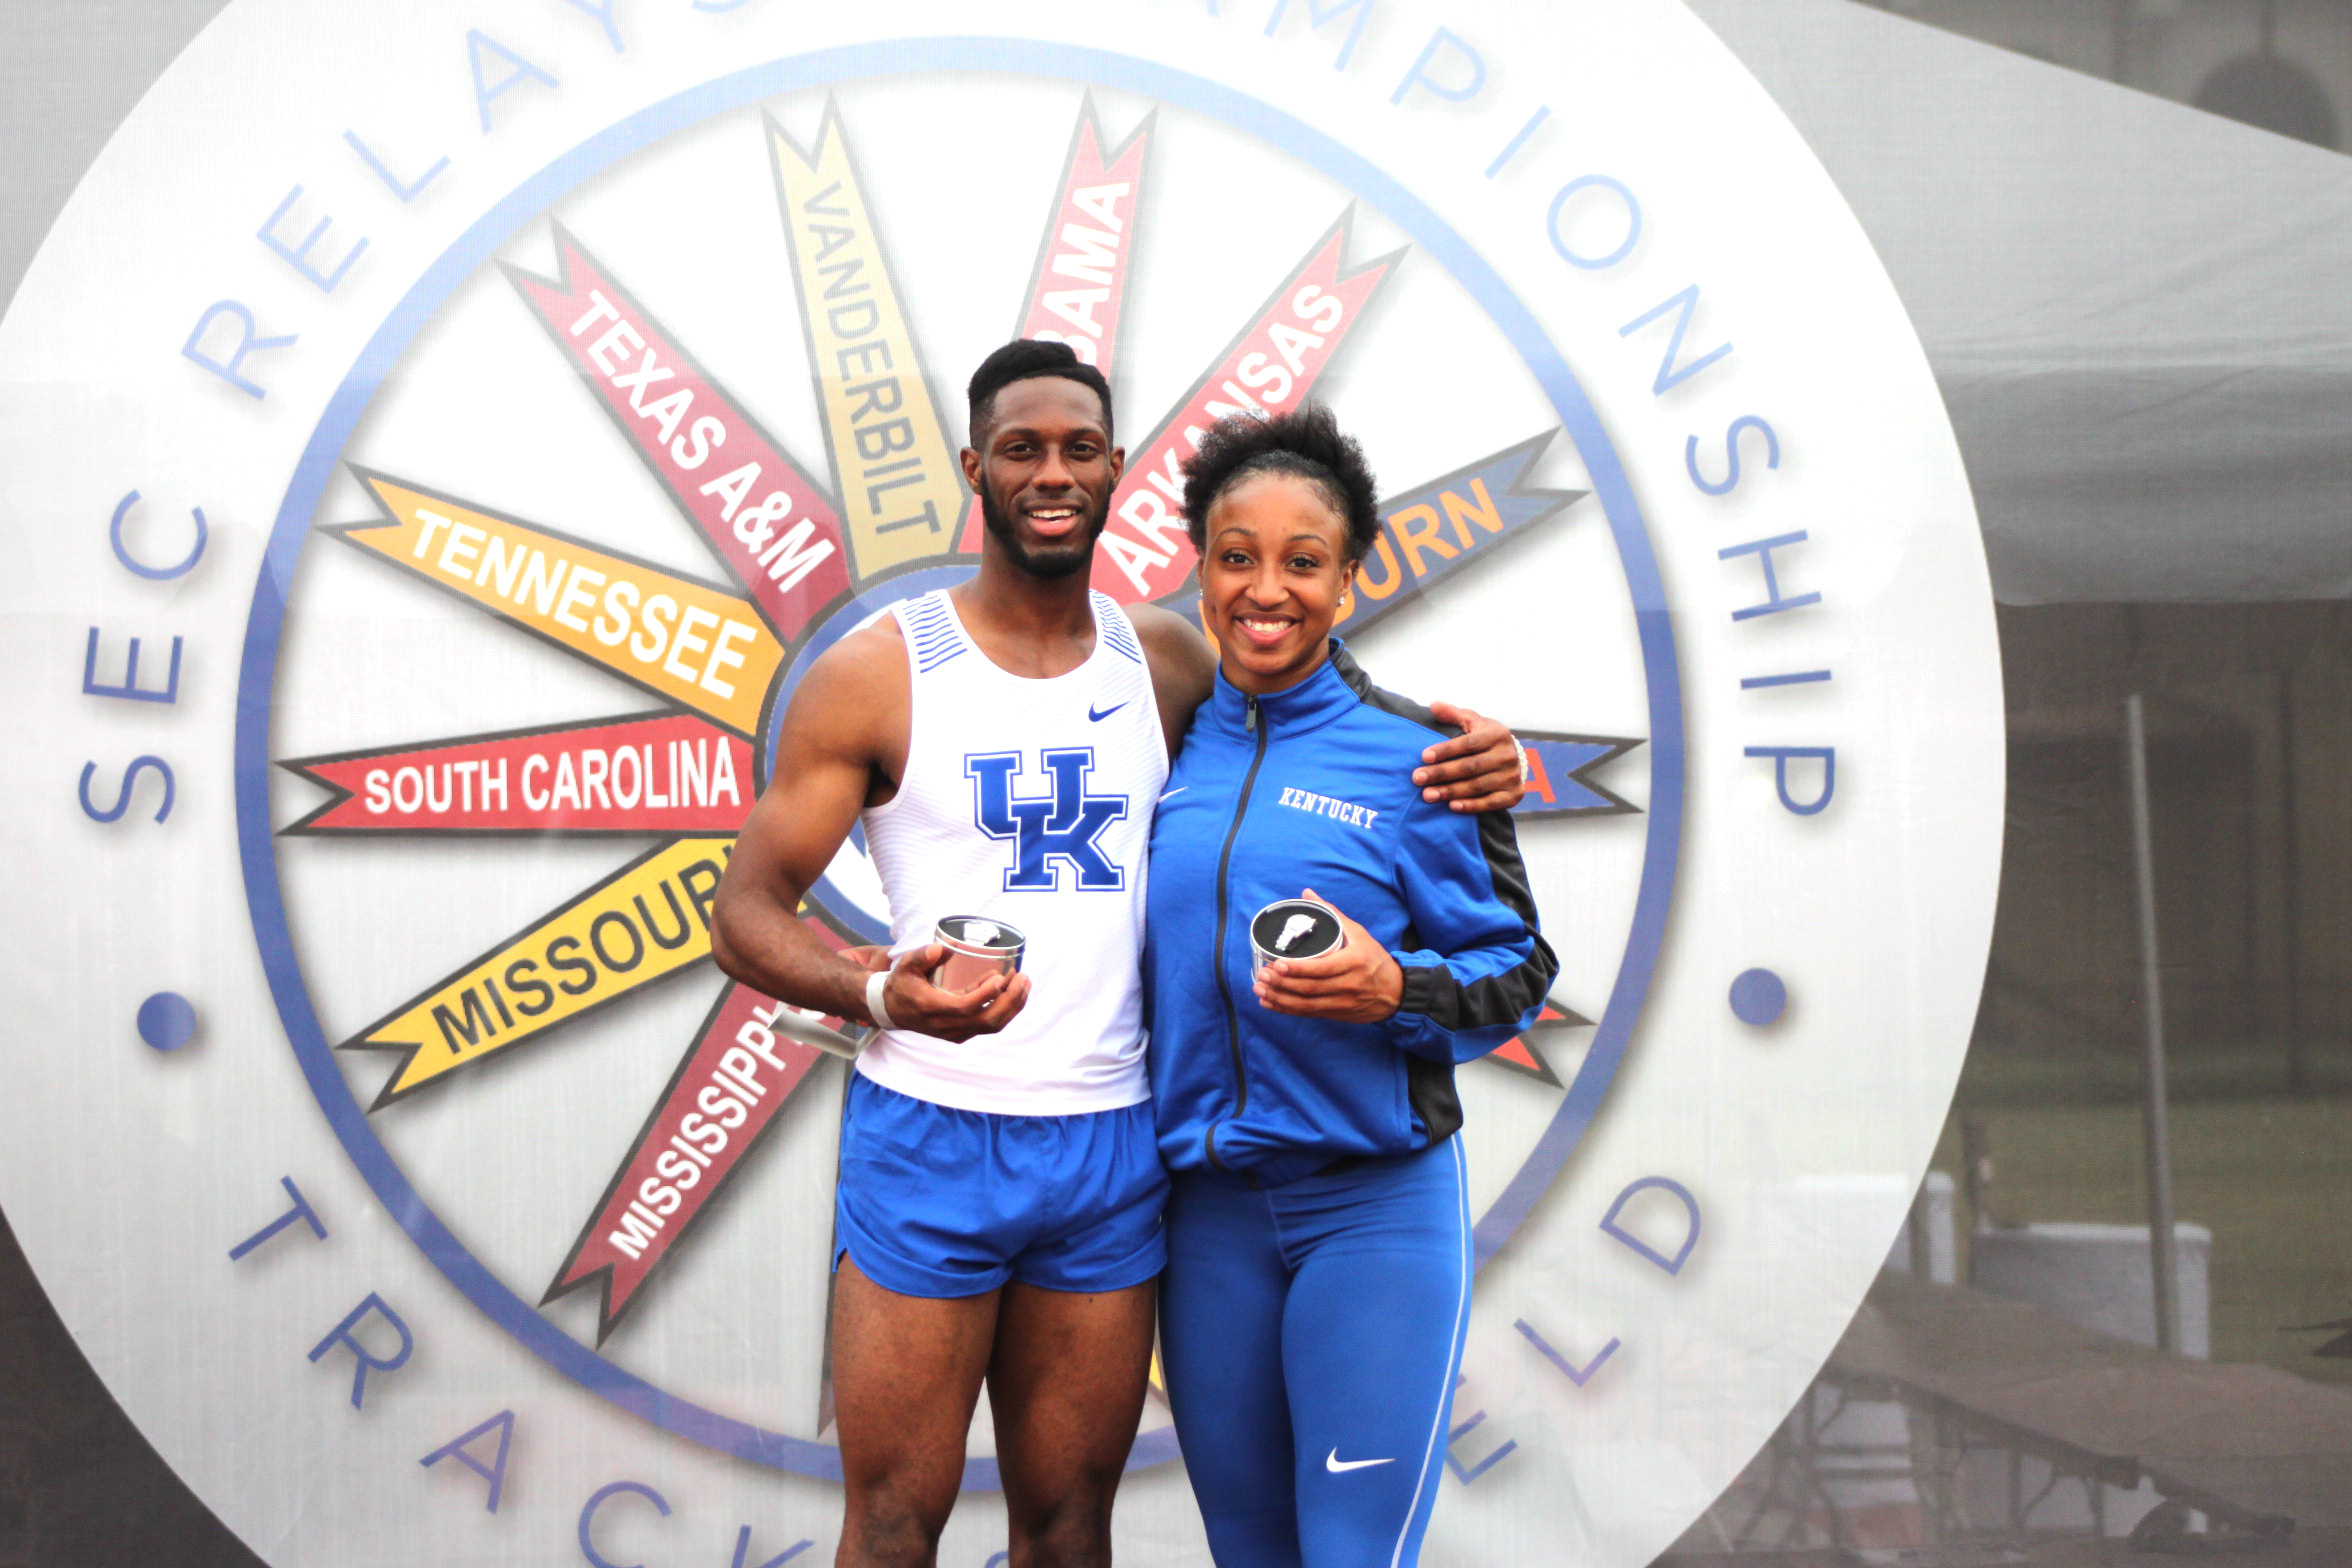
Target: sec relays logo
<point x="414" y="556"/>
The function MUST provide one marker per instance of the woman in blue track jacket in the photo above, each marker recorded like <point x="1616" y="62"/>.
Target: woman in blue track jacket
<point x="1318" y="1279"/>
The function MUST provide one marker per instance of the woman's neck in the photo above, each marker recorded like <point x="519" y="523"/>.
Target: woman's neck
<point x="1252" y="684"/>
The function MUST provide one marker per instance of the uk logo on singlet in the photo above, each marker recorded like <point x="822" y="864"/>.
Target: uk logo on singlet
<point x="1051" y="830"/>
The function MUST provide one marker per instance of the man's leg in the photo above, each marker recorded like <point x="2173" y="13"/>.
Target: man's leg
<point x="1074" y="1330"/>
<point x="1067" y="1386"/>
<point x="906" y="1375"/>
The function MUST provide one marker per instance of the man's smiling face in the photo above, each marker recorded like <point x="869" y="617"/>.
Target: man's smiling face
<point x="1044" y="469"/>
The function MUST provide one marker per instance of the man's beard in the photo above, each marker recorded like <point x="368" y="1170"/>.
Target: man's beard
<point x="1066" y="558"/>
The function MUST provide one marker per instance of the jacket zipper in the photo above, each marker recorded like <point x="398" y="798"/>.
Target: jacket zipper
<point x="1224" y="987"/>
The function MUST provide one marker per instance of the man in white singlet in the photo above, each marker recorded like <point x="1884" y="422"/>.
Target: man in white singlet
<point x="1004" y="744"/>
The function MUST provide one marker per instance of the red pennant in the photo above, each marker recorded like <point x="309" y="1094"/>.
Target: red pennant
<point x="1269" y="368"/>
<point x="1524" y="1053"/>
<point x="719" y="1105"/>
<point x="664" y="773"/>
<point x="1078" y="291"/>
<point x="773" y="525"/>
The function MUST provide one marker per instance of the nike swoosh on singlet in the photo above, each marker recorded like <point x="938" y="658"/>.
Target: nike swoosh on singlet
<point x="1107" y="712"/>
<point x="1337" y="1465"/>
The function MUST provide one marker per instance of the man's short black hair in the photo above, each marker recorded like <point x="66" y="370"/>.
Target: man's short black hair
<point x="1306" y="442"/>
<point x="1024" y="359"/>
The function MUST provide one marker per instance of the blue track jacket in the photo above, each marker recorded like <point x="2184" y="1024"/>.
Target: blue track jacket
<point x="1312" y="787"/>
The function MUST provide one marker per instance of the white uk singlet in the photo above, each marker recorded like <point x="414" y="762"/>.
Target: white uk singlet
<point x="1029" y="802"/>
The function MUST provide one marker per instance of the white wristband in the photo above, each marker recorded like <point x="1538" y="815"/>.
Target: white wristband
<point x="874" y="1008"/>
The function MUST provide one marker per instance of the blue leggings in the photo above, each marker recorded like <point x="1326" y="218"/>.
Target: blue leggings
<point x="1311" y="1336"/>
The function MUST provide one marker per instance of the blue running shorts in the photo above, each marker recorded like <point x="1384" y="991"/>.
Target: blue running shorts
<point x="935" y="1201"/>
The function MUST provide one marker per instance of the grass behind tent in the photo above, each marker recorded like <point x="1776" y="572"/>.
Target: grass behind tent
<point x="2269" y="1174"/>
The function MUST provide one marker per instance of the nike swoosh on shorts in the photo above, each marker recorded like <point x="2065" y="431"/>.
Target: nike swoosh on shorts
<point x="1339" y="1466"/>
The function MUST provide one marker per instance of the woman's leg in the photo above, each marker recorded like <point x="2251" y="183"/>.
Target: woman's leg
<point x="1371" y="1343"/>
<point x="1221" y="1348"/>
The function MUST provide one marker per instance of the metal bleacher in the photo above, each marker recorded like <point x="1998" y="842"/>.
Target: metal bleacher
<point x="2244" y="1461"/>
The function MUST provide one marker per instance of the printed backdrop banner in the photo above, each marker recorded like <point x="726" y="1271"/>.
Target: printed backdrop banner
<point x="434" y="444"/>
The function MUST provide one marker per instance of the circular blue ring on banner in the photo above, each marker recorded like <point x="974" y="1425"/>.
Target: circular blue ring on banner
<point x="1015" y="57"/>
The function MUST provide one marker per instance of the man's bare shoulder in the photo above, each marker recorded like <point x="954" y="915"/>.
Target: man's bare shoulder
<point x="1183" y="667"/>
<point x="857" y="690"/>
<point x="1177" y="650"/>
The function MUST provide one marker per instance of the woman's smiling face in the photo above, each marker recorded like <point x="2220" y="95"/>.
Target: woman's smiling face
<point x="1272" y="576"/>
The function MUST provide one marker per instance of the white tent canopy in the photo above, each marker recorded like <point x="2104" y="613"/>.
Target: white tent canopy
<point x="2140" y="314"/>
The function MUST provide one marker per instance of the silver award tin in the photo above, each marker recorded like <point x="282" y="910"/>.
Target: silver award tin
<point x="977" y="947"/>
<point x="1293" y="928"/>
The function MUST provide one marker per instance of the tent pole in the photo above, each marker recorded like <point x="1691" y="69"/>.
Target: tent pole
<point x="2158" y="1141"/>
<point x="2290" y="864"/>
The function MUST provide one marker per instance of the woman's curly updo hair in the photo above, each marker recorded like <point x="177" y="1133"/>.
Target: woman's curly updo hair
<point x="1307" y="443"/>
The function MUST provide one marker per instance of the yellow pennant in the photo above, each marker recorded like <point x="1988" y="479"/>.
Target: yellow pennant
<point x="902" y="494"/>
<point x="699" y="646"/>
<point x="650" y="919"/>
